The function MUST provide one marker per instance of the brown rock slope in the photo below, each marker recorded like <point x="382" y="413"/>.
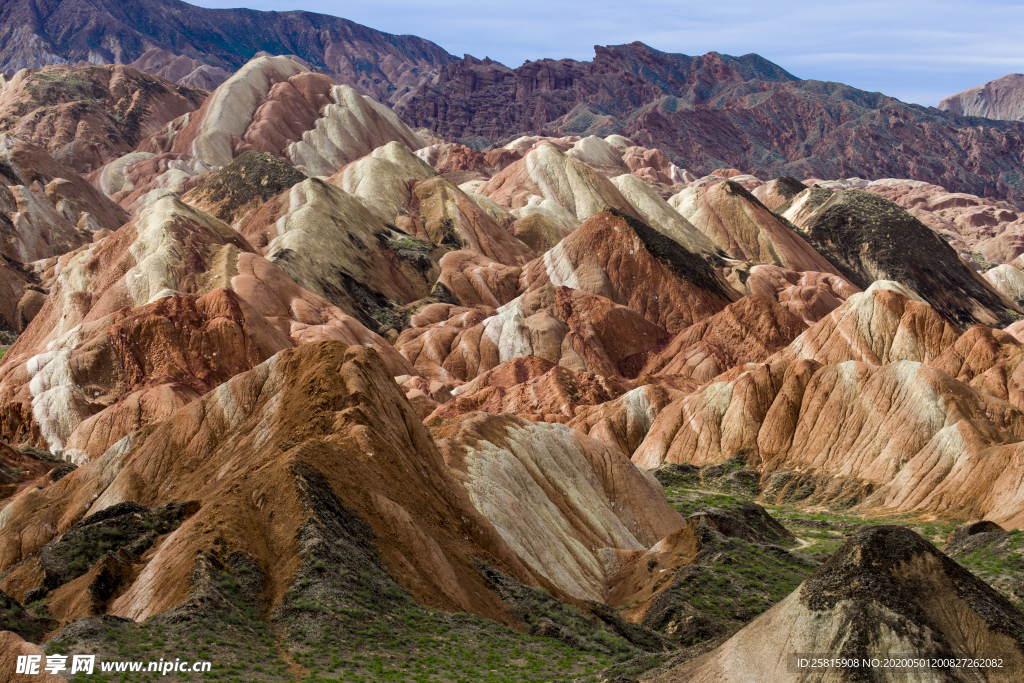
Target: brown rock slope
<point x="884" y="324"/>
<point x="273" y="105"/>
<point x="451" y="157"/>
<point x="1002" y="98"/>
<point x="748" y="331"/>
<point x="91" y="115"/>
<point x="19" y="469"/>
<point x="276" y="105"/>
<point x="651" y="165"/>
<point x="572" y="328"/>
<point x="166" y="308"/>
<point x="620" y="258"/>
<point x="877" y="327"/>
<point x="810" y="296"/>
<point x="516" y="473"/>
<point x="867" y="237"/>
<point x="555" y="184"/>
<point x="329" y="243"/>
<point x="475" y="280"/>
<point x="312" y="470"/>
<point x="66" y="193"/>
<point x="988" y="360"/>
<point x="445" y="215"/>
<point x="21" y="296"/>
<point x="657" y="213"/>
<point x="325" y="423"/>
<point x="777" y="192"/>
<point x="624" y="422"/>
<point x="537" y="232"/>
<point x="534" y="388"/>
<point x="885" y="592"/>
<point x="901" y="436"/>
<point x="382" y="181"/>
<point x="740" y="225"/>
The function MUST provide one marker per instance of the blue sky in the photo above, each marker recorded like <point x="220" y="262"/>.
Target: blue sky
<point x="914" y="50"/>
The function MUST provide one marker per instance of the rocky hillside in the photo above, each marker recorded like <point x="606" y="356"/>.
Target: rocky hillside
<point x="884" y="590"/>
<point x="35" y="34"/>
<point x="314" y="395"/>
<point x="90" y="116"/>
<point x="1001" y="99"/>
<point x="717" y="111"/>
<point x="703" y="113"/>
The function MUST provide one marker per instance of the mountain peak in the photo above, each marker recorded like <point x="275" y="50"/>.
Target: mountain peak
<point x="102" y="31"/>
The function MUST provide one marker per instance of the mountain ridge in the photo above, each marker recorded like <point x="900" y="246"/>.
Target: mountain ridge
<point x="1001" y="99"/>
<point x="102" y="31"/>
<point x="717" y="111"/>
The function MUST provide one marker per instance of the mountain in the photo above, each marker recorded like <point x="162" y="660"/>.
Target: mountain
<point x="313" y="394"/>
<point x="716" y="111"/>
<point x="34" y="34"/>
<point x="885" y="591"/>
<point x="88" y="117"/>
<point x="1001" y="99"/>
<point x="862" y="233"/>
<point x="475" y="98"/>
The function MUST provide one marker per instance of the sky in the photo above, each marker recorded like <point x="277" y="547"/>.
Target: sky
<point x="914" y="50"/>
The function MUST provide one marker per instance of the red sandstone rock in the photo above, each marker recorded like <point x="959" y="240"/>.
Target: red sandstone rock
<point x="809" y="295"/>
<point x="173" y="299"/>
<point x="91" y="115"/>
<point x="533" y="388"/>
<point x="572" y="328"/>
<point x="624" y="422"/>
<point x="475" y="280"/>
<point x="748" y="331"/>
<point x="651" y="165"/>
<point x="71" y="196"/>
<point x="631" y="264"/>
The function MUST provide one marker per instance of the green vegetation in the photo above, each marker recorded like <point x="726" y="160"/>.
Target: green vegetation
<point x="58" y="86"/>
<point x="738" y="581"/>
<point x="690" y="502"/>
<point x="40" y="453"/>
<point x="997" y="558"/>
<point x="409" y="243"/>
<point x="128" y="526"/>
<point x="254" y="177"/>
<point x="820" y="529"/>
<point x="980" y="259"/>
<point x="30" y="623"/>
<point x="221" y="626"/>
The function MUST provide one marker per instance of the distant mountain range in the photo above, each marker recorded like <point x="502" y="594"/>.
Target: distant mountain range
<point x="718" y="111"/>
<point x="705" y="112"/>
<point x="38" y="32"/>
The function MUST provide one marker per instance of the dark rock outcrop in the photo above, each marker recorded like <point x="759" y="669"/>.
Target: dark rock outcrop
<point x="867" y="236"/>
<point x="886" y="590"/>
